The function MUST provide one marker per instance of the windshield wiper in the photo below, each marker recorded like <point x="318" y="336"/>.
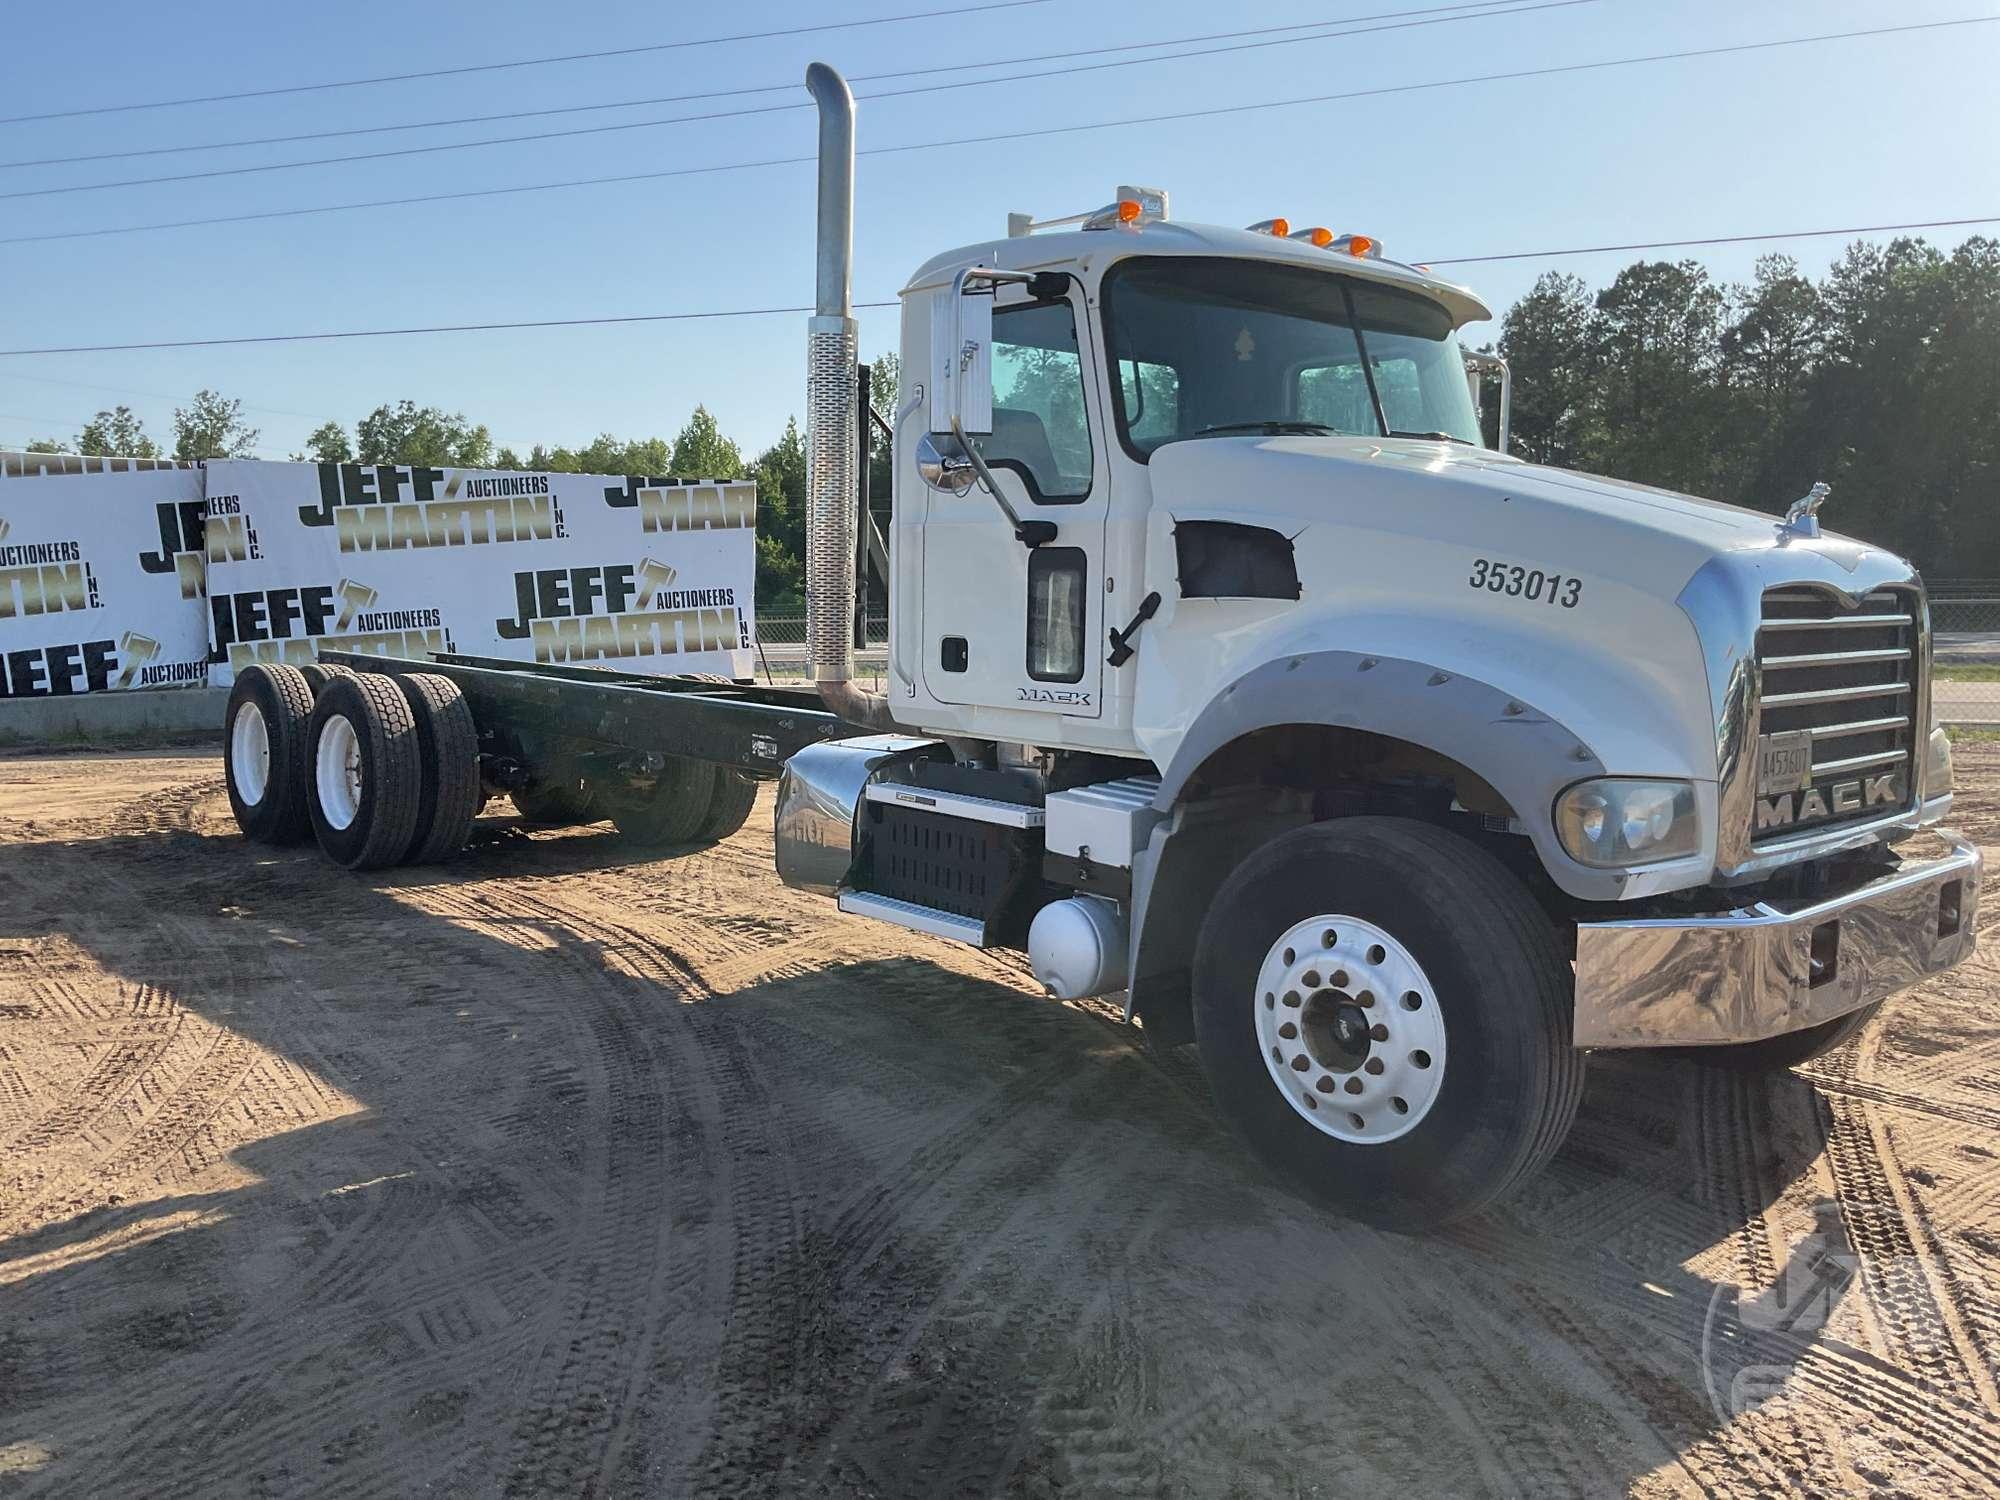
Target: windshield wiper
<point x="1436" y="437"/>
<point x="1272" y="429"/>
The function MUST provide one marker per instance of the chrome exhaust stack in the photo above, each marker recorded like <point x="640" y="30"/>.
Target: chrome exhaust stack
<point x="834" y="448"/>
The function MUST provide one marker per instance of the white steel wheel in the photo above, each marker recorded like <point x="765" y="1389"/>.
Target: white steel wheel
<point x="267" y="752"/>
<point x="250" y="752"/>
<point x="337" y="771"/>
<point x="1356" y="944"/>
<point x="1350" y="1029"/>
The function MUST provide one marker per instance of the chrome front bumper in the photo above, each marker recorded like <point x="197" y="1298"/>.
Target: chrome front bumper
<point x="1762" y="970"/>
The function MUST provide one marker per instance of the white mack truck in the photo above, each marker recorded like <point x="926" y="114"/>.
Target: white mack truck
<point x="1230" y="669"/>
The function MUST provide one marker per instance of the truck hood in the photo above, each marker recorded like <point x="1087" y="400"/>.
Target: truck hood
<point x="1561" y="588"/>
<point x="1457" y="492"/>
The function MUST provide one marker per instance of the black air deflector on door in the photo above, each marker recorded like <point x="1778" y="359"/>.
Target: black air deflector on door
<point x="1228" y="560"/>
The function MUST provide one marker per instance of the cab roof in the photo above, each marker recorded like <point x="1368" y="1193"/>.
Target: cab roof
<point x="1095" y="249"/>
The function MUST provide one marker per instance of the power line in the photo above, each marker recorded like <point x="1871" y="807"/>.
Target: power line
<point x="733" y="93"/>
<point x="624" y="178"/>
<point x="380" y="333"/>
<point x="377" y="333"/>
<point x="769" y="312"/>
<point x="952" y="86"/>
<point x="1718" y="239"/>
<point x="126" y="390"/>
<point x="524" y="62"/>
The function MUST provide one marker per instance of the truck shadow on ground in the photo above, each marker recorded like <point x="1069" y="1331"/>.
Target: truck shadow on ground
<point x="519" y="1193"/>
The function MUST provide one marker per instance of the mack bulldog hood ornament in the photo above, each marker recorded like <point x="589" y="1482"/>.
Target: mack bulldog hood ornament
<point x="1802" y="520"/>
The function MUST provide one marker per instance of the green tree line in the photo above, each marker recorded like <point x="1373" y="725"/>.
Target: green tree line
<point x="209" y="426"/>
<point x="1882" y="378"/>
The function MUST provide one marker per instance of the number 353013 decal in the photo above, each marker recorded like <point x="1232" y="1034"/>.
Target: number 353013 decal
<point x="1533" y="584"/>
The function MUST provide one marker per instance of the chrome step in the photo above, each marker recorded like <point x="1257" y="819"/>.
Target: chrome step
<point x="957" y="805"/>
<point x="944" y="924"/>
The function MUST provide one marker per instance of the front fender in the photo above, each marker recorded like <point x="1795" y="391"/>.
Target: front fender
<point x="1523" y="753"/>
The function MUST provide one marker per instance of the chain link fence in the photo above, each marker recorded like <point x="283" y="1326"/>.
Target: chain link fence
<point x="1965" y="640"/>
<point x="781" y="648"/>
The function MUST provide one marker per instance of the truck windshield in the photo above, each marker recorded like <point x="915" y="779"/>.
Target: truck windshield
<point x="1207" y="347"/>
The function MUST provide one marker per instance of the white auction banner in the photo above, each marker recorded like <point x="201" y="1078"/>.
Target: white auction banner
<point x="101" y="565"/>
<point x="640" y="574"/>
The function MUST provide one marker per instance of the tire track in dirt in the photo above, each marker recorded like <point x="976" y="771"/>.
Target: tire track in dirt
<point x="990" y="1283"/>
<point x="1921" y="1309"/>
<point x="351" y="1263"/>
<point x="575" y="1400"/>
<point x="400" y="1218"/>
<point x="864" y="1293"/>
<point x="158" y="1111"/>
<point x="1607" y="1316"/>
<point x="269" y="1352"/>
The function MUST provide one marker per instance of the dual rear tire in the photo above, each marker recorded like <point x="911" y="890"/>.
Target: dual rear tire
<point x="266" y="753"/>
<point x="693" y="802"/>
<point x="383" y="769"/>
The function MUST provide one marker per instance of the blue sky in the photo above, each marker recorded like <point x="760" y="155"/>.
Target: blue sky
<point x="1874" y="131"/>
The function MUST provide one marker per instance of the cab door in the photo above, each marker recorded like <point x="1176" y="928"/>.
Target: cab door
<point x="1006" y="625"/>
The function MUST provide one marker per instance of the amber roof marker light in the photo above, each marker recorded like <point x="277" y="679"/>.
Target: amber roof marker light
<point x="1133" y="208"/>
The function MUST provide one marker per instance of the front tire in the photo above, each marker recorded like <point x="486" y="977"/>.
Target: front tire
<point x="1383" y="1014"/>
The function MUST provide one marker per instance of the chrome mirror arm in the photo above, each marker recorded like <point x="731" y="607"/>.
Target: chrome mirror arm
<point x="1031" y="534"/>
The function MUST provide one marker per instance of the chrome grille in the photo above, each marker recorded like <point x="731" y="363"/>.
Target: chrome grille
<point x="1851" y="678"/>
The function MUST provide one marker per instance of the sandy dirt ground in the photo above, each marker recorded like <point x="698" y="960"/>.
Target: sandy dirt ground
<point x="545" y="1173"/>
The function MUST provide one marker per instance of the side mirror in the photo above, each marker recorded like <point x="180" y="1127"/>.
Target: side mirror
<point x="1477" y="367"/>
<point x="961" y="384"/>
<point x="943" y="464"/>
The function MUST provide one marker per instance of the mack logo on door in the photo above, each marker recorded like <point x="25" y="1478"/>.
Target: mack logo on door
<point x="1068" y="697"/>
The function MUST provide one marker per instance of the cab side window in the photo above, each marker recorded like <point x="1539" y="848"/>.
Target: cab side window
<point x="1039" y="428"/>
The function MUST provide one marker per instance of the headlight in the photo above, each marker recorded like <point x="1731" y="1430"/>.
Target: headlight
<point x="1617" y="821"/>
<point x="1937" y="766"/>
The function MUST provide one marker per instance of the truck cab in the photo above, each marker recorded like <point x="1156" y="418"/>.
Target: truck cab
<point x="1231" y="668"/>
<point x="1112" y="348"/>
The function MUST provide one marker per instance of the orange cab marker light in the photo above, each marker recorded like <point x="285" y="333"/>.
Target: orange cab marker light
<point x="1128" y="210"/>
<point x="1359" y="244"/>
<point x="1320" y="236"/>
<point x="1282" y="228"/>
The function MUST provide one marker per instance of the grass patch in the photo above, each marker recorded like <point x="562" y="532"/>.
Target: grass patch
<point x="1962" y="734"/>
<point x="1968" y="671"/>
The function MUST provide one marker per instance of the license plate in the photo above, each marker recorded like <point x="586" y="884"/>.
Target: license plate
<point x="1784" y="762"/>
